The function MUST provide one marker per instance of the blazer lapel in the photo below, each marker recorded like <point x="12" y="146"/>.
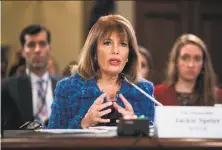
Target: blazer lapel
<point x="54" y="81"/>
<point x="25" y="98"/>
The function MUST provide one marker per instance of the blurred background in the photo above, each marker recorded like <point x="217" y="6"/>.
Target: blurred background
<point x="157" y="24"/>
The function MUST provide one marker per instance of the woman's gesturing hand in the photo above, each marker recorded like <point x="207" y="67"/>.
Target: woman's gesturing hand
<point x="95" y="112"/>
<point x="127" y="112"/>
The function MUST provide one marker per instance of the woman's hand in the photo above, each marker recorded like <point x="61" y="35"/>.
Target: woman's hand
<point x="95" y="113"/>
<point x="128" y="112"/>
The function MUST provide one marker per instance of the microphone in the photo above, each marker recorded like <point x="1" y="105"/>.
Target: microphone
<point x="122" y="76"/>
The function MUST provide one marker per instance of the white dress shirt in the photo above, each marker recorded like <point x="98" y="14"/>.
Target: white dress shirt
<point x="49" y="94"/>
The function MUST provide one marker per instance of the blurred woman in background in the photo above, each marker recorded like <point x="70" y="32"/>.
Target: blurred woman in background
<point x="190" y="80"/>
<point x="67" y="70"/>
<point x="146" y="63"/>
<point x="53" y="66"/>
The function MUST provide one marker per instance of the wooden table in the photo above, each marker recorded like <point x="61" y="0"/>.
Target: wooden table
<point x="49" y="141"/>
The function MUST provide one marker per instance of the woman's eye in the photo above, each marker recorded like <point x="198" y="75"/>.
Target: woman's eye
<point x="198" y="58"/>
<point x="107" y="43"/>
<point x="185" y="57"/>
<point x="124" y="44"/>
<point x="143" y="65"/>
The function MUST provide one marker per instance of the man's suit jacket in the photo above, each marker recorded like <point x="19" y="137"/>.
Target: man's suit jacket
<point x="16" y="98"/>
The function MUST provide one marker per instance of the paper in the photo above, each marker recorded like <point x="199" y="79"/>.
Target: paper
<point x="189" y="122"/>
<point x="107" y="128"/>
<point x="91" y="130"/>
<point x="76" y="131"/>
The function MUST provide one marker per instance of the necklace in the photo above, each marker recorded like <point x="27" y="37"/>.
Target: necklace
<point x="111" y="91"/>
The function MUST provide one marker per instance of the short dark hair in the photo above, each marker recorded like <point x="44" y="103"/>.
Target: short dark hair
<point x="32" y="30"/>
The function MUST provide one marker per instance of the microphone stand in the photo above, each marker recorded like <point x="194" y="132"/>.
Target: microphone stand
<point x="142" y="91"/>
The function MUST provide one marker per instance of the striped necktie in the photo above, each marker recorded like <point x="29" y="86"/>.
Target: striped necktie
<point x="42" y="113"/>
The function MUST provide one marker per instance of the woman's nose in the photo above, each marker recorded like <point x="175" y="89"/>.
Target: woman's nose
<point x="191" y="63"/>
<point x="115" y="49"/>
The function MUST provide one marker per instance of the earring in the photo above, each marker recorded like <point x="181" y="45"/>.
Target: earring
<point x="127" y="60"/>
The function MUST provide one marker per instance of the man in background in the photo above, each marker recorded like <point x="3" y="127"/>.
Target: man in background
<point x="29" y="96"/>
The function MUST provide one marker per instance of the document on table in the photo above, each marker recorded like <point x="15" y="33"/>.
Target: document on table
<point x="98" y="129"/>
<point x="107" y="128"/>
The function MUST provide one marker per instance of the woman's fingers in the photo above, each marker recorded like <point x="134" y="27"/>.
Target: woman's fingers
<point x="100" y="120"/>
<point x="100" y="99"/>
<point x="104" y="112"/>
<point x="121" y="110"/>
<point x="129" y="117"/>
<point x="134" y="117"/>
<point x="117" y="107"/>
<point x="102" y="106"/>
<point x="125" y="113"/>
<point x="97" y="110"/>
<point x="125" y="102"/>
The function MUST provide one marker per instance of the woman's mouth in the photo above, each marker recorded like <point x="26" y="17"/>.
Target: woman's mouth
<point x="114" y="62"/>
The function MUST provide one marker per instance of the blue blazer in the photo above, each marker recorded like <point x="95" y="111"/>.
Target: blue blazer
<point x="74" y="96"/>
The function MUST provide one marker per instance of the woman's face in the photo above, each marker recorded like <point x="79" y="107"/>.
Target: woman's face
<point x="112" y="54"/>
<point x="144" y="70"/>
<point x="190" y="62"/>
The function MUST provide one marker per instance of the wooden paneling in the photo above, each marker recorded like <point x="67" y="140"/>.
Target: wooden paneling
<point x="210" y="29"/>
<point x="160" y="22"/>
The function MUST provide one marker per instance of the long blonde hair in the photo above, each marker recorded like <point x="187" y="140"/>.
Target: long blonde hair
<point x="88" y="65"/>
<point x="206" y="81"/>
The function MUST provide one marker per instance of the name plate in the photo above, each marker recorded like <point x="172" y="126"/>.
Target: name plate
<point x="188" y="122"/>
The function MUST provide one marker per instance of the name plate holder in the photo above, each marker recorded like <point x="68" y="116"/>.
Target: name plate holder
<point x="188" y="122"/>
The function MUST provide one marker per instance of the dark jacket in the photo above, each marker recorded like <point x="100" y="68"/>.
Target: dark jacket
<point x="16" y="99"/>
